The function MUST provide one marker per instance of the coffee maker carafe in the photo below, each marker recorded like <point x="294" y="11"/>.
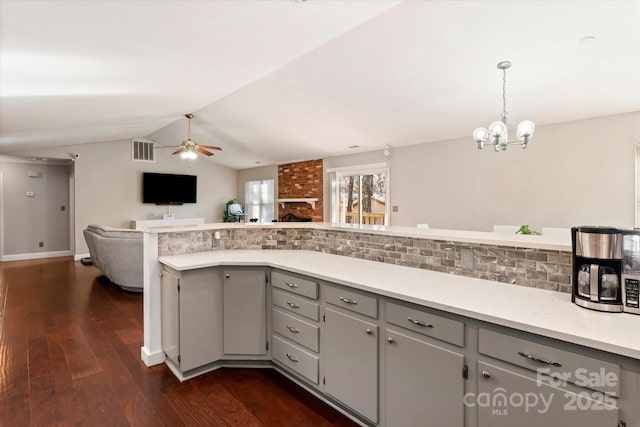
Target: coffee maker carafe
<point x="597" y="262"/>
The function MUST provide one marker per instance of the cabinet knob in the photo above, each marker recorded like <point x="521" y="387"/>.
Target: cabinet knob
<point x="486" y="374"/>
<point x="226" y="276"/>
<point x="369" y="331"/>
<point x="390" y="340"/>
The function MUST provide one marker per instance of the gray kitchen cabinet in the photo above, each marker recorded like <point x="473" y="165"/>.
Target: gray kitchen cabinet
<point x="190" y="304"/>
<point x="507" y="398"/>
<point x="423" y="382"/>
<point x="244" y="302"/>
<point x="351" y="362"/>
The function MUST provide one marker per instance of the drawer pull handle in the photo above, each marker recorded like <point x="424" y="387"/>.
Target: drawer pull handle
<point x="293" y="358"/>
<point x="539" y="360"/>
<point x="486" y="374"/>
<point x="419" y="323"/>
<point x="293" y="304"/>
<point x="291" y="285"/>
<point x="348" y="300"/>
<point x="293" y="330"/>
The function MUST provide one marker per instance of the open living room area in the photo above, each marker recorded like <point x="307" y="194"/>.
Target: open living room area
<point x="383" y="213"/>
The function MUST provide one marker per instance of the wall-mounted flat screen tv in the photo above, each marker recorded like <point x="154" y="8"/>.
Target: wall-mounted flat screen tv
<point x="169" y="189"/>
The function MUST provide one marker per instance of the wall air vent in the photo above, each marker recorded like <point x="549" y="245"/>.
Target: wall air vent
<point x="142" y="150"/>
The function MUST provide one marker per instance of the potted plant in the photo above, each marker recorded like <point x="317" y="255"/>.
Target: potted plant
<point x="226" y="216"/>
<point x="525" y="229"/>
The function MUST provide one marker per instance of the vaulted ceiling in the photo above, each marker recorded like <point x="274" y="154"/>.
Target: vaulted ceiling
<point x="283" y="80"/>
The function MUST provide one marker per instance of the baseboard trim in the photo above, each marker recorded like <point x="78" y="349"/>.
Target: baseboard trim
<point x="151" y="359"/>
<point x="78" y="257"/>
<point x="37" y="255"/>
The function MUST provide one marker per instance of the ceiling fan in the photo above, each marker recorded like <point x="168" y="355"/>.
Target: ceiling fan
<point x="188" y="149"/>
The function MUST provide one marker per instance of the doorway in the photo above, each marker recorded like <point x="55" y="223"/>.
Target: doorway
<point x="36" y="213"/>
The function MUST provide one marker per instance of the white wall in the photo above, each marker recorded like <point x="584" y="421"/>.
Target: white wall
<point x="108" y="185"/>
<point x="572" y="173"/>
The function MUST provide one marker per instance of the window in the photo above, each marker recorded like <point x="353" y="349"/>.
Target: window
<point x="259" y="200"/>
<point x="360" y="195"/>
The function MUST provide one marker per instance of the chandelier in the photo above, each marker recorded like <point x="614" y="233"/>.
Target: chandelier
<point x="498" y="130"/>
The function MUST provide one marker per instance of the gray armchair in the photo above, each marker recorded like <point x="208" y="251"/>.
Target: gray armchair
<point x="117" y="252"/>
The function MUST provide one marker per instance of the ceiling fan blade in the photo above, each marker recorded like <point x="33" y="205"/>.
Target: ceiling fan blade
<point x="203" y="151"/>
<point x="211" y="147"/>
<point x="179" y="150"/>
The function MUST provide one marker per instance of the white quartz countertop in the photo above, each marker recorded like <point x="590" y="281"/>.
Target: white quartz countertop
<point x="462" y="236"/>
<point x="542" y="312"/>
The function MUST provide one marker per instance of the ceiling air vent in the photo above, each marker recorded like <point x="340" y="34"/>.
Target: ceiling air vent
<point x="142" y="150"/>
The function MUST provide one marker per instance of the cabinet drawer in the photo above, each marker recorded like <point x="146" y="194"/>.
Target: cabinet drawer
<point x="448" y="330"/>
<point x="296" y="304"/>
<point x="352" y="300"/>
<point x="575" y="368"/>
<point x="297" y="285"/>
<point x="545" y="403"/>
<point x="296" y="330"/>
<point x="296" y="359"/>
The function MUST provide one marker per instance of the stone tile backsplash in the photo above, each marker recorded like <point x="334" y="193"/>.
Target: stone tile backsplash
<point x="545" y="269"/>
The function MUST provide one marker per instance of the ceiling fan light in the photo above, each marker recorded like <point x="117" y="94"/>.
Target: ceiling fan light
<point x="525" y="129"/>
<point x="184" y="154"/>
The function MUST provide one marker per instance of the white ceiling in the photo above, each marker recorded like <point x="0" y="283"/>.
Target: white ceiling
<point x="283" y="80"/>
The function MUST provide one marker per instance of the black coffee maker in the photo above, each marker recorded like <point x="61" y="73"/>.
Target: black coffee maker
<point x="597" y="265"/>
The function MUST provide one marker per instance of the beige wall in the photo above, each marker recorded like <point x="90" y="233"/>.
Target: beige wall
<point x="30" y="220"/>
<point x="572" y="173"/>
<point x="108" y="185"/>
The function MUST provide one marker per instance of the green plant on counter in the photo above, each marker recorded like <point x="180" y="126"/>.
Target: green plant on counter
<point x="524" y="229"/>
<point x="226" y="216"/>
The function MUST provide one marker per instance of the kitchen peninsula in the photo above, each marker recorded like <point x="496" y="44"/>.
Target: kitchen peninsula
<point x="377" y="278"/>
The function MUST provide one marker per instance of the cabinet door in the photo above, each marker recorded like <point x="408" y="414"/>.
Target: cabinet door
<point x="508" y="399"/>
<point x="199" y="304"/>
<point x="351" y="362"/>
<point x="424" y="382"/>
<point x="170" y="316"/>
<point x="245" y="312"/>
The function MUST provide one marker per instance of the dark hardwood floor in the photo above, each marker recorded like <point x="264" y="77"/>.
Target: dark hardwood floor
<point x="70" y="355"/>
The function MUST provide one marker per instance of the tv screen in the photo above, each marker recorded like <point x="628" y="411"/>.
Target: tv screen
<point x="168" y="189"/>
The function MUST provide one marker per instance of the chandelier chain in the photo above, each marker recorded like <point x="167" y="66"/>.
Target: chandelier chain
<point x="504" y="94"/>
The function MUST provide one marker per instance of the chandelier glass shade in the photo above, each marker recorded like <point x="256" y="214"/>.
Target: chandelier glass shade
<point x="497" y="132"/>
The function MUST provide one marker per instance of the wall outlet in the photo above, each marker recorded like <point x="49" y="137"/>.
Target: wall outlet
<point x="394" y="208"/>
<point x="41" y="244"/>
<point x="466" y="258"/>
